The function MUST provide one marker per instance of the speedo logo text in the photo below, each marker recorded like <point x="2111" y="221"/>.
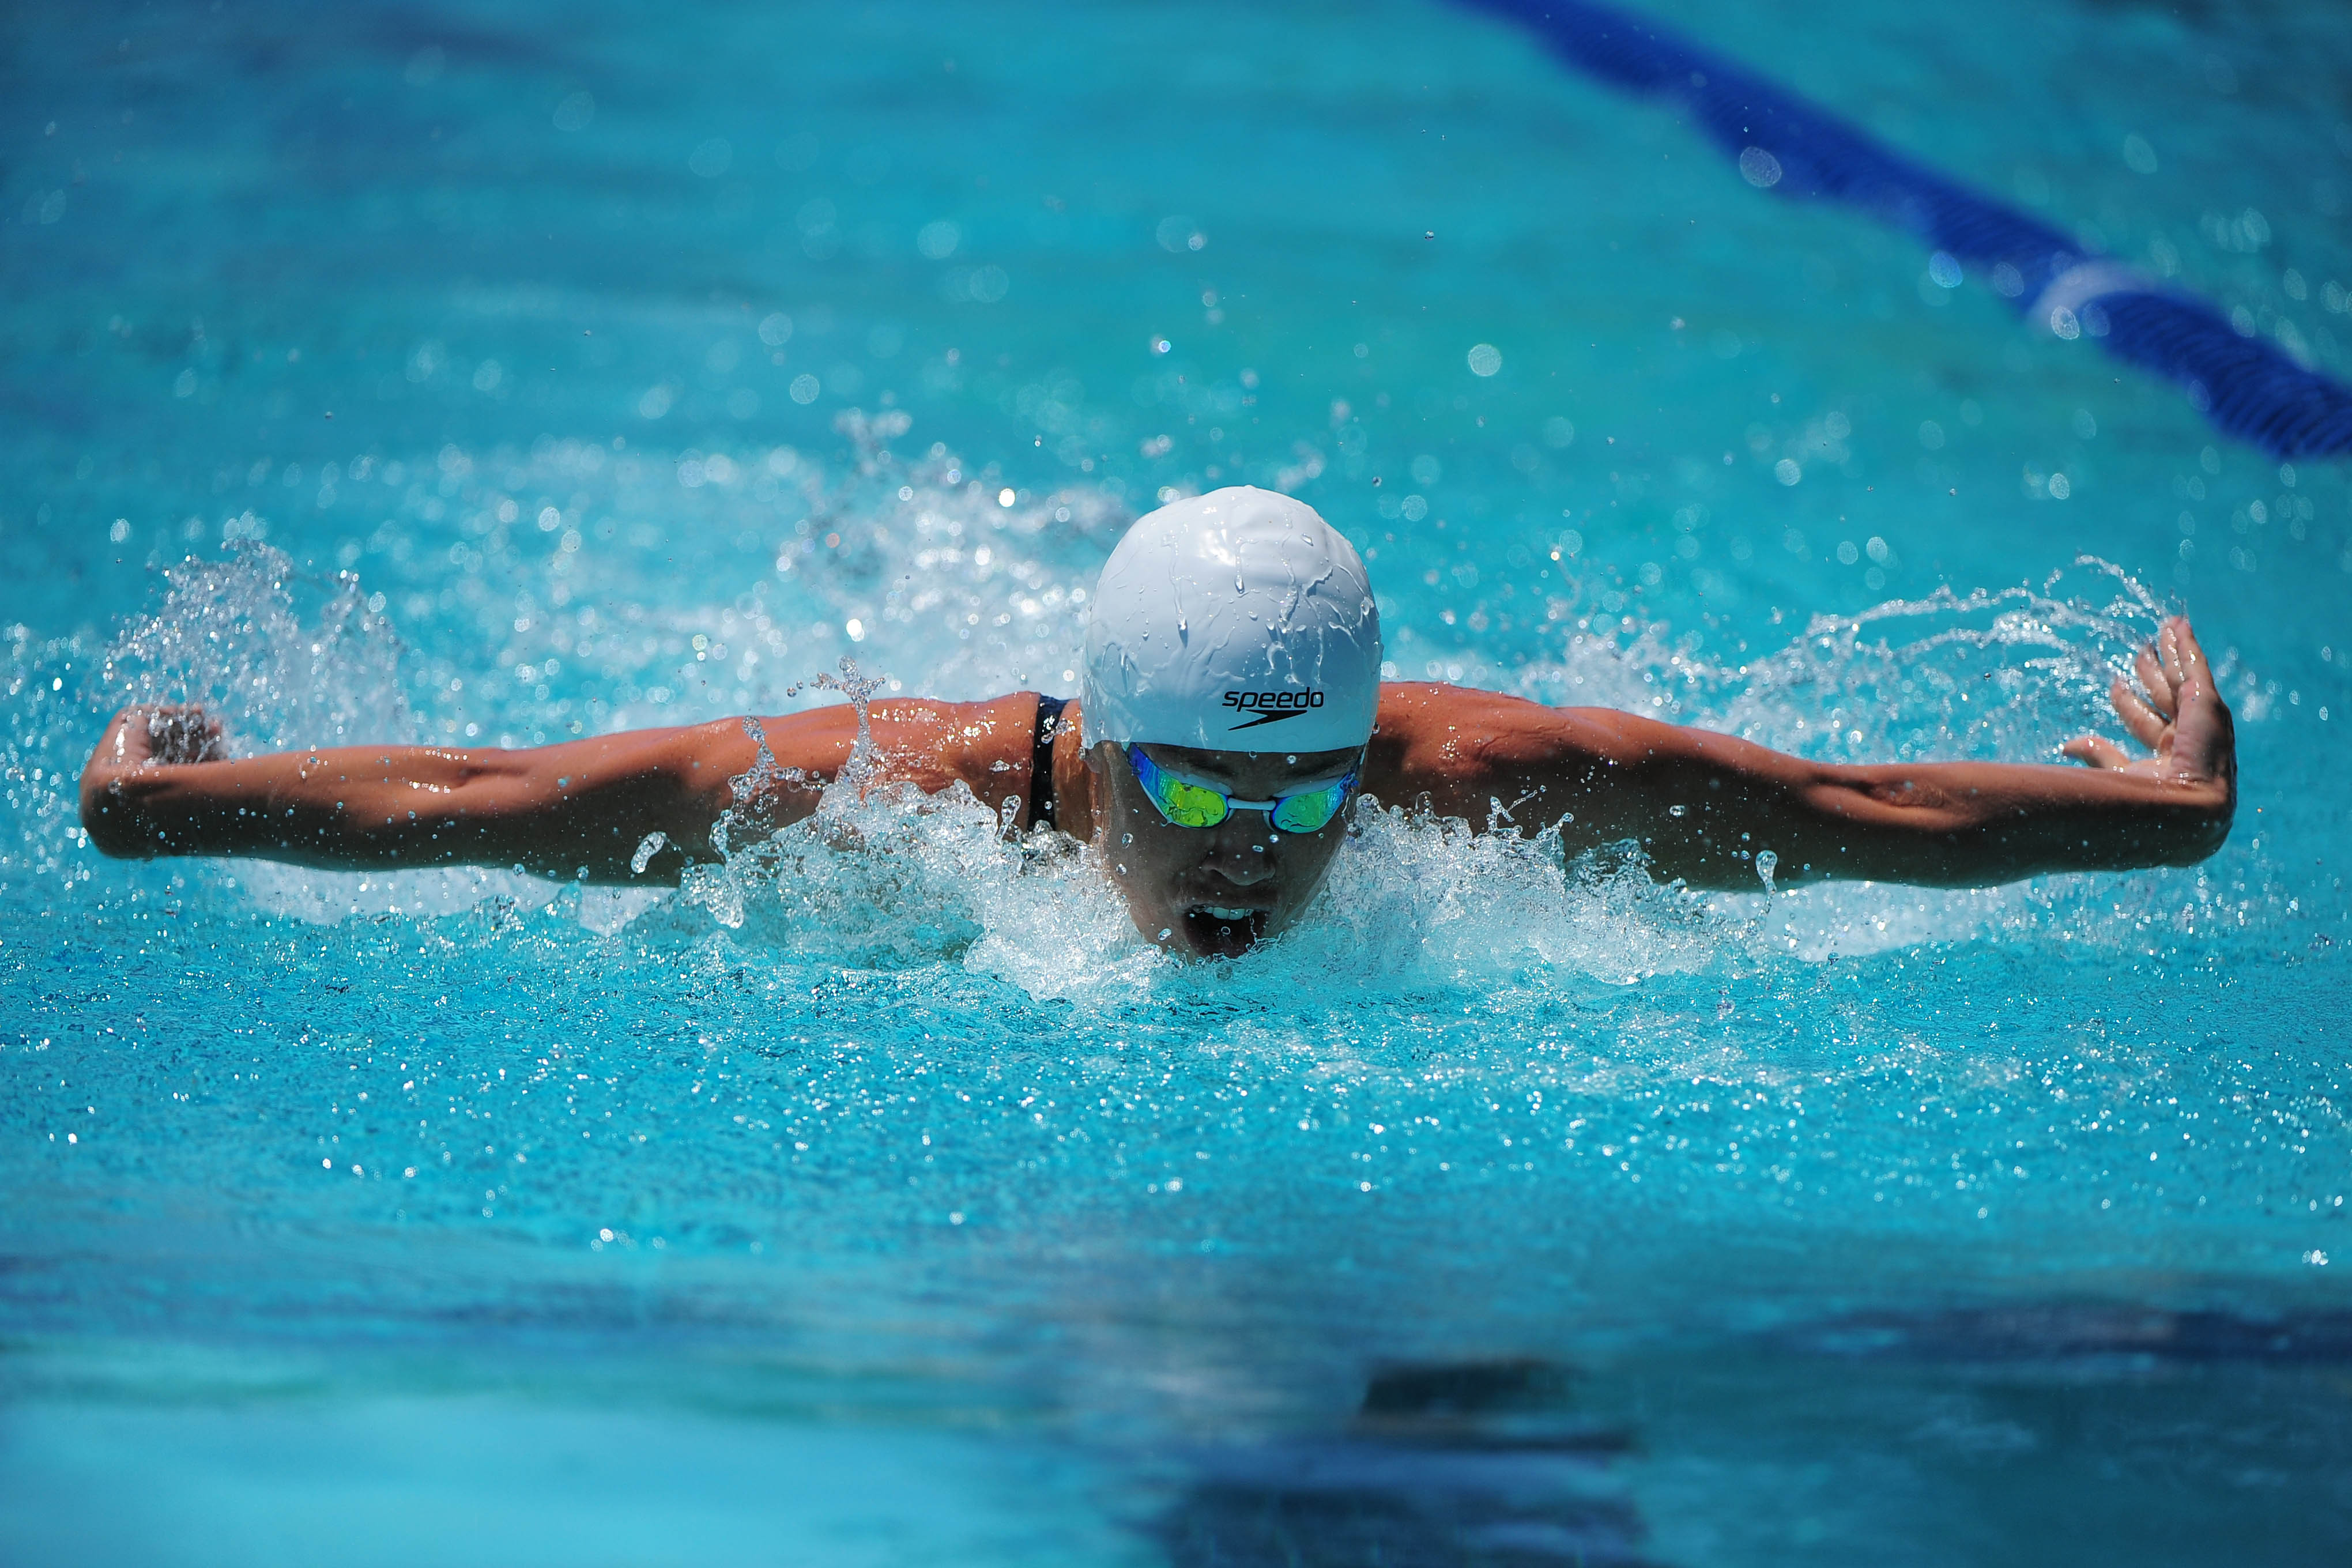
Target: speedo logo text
<point x="1254" y="708"/>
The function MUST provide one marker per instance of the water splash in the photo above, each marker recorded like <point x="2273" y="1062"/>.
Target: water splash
<point x="2003" y="674"/>
<point x="234" y="638"/>
<point x="285" y="658"/>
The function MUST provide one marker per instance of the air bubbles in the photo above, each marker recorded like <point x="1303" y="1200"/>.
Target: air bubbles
<point x="1944" y="270"/>
<point x="804" y="389"/>
<point x="979" y="285"/>
<point x="2065" y="325"/>
<point x="575" y="111"/>
<point x="1486" y="359"/>
<point x="1788" y="471"/>
<point x="2139" y="156"/>
<point x="121" y="530"/>
<point x="1558" y="433"/>
<point x="1760" y="168"/>
<point x="2007" y="281"/>
<point x="1179" y="233"/>
<point x="938" y="239"/>
<point x="711" y="159"/>
<point x="775" y="329"/>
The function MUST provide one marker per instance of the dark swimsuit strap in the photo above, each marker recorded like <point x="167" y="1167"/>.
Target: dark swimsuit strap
<point x="1040" y="760"/>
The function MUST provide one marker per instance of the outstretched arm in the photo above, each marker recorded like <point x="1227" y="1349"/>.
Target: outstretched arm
<point x="160" y="783"/>
<point x="1703" y="805"/>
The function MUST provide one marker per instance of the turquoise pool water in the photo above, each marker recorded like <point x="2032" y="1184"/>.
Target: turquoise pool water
<point x="881" y="1200"/>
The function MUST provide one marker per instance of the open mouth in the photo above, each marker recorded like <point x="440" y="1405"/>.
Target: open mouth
<point x="1223" y="932"/>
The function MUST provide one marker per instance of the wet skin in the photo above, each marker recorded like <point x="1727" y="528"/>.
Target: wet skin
<point x="1698" y="807"/>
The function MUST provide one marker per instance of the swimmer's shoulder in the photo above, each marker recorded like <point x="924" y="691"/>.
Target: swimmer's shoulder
<point x="987" y="745"/>
<point x="1435" y="739"/>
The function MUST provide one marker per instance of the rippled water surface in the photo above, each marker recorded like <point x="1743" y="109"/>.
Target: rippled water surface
<point x="507" y="373"/>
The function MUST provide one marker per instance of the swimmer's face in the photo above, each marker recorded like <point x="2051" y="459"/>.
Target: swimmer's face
<point x="1214" y="892"/>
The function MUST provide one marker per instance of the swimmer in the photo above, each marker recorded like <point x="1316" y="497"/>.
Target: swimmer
<point x="1230" y="715"/>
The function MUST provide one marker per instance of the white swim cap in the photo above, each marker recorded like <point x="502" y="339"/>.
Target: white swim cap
<point x="1236" y="621"/>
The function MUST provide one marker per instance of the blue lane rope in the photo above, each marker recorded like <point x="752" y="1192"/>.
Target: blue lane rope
<point x="2246" y="386"/>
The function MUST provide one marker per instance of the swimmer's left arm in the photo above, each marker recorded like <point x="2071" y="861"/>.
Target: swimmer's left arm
<point x="1703" y="806"/>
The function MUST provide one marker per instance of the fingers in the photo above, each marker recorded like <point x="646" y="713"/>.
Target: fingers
<point x="2169" y="650"/>
<point x="2195" y="668"/>
<point x="2146" y="725"/>
<point x="176" y="733"/>
<point x="2096" y="751"/>
<point x="2149" y="665"/>
<point x="2204" y="745"/>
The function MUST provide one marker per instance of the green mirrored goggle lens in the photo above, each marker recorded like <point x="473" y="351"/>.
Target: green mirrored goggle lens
<point x="1307" y="812"/>
<point x="1190" y="805"/>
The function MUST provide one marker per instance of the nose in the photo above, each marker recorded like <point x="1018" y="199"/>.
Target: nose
<point x="1238" y="853"/>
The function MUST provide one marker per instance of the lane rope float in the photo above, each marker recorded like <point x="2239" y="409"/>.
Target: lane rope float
<point x="2247" y="386"/>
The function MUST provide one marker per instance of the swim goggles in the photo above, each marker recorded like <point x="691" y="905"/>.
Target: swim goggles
<point x="1190" y="805"/>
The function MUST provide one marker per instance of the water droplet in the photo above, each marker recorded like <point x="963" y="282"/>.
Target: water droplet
<point x="647" y="847"/>
<point x="1760" y="168"/>
<point x="1766" y="864"/>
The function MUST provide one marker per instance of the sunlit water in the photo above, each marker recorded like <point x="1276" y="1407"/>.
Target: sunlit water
<point x="879" y="1198"/>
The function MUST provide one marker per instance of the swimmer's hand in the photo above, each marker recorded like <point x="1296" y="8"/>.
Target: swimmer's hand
<point x="141" y="742"/>
<point x="2179" y="716"/>
<point x="159" y="735"/>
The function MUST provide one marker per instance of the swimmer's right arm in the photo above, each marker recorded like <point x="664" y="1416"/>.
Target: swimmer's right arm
<point x="1702" y="807"/>
<point x="160" y="783"/>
